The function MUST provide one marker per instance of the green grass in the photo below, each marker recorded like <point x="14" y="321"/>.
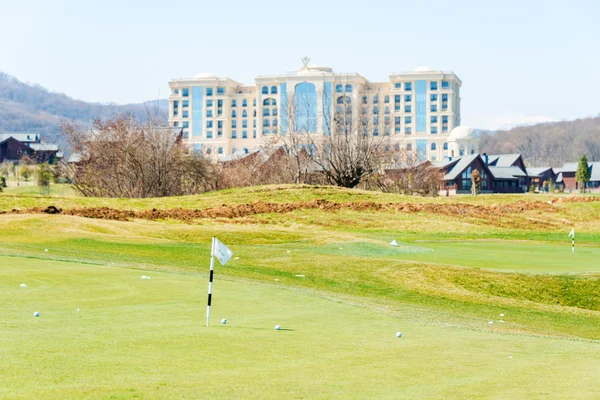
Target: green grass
<point x="330" y="276"/>
<point x="134" y="338"/>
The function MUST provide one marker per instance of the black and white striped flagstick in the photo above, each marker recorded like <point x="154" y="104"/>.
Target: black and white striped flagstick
<point x="210" y="279"/>
<point x="572" y="234"/>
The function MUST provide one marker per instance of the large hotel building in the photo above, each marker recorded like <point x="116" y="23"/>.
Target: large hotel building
<point x="417" y="110"/>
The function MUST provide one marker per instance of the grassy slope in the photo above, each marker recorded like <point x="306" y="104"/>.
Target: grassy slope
<point x="135" y="338"/>
<point x="345" y="254"/>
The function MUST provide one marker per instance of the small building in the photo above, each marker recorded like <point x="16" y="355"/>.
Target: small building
<point x="537" y="176"/>
<point x="13" y="146"/>
<point x="566" y="177"/>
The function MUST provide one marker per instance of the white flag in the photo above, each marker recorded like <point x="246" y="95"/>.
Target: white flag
<point x="222" y="252"/>
<point x="572" y="233"/>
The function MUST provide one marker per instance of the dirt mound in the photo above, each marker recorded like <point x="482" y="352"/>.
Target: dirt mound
<point x="259" y="207"/>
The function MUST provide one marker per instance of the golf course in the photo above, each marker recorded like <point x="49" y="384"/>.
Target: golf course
<point x="489" y="298"/>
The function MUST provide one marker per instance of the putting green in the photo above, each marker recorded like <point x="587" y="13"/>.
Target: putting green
<point x="146" y="338"/>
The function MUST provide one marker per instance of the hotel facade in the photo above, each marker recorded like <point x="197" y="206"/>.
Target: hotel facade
<point x="415" y="110"/>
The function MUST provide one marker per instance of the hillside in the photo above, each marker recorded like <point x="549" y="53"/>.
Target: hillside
<point x="34" y="109"/>
<point x="549" y="144"/>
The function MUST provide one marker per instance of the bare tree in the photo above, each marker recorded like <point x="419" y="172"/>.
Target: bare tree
<point x="350" y="145"/>
<point x="121" y="157"/>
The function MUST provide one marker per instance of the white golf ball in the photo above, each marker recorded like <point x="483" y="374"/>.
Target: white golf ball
<point x="398" y="334"/>
<point x="37" y="313"/>
<point x="277" y="327"/>
<point x="223" y="321"/>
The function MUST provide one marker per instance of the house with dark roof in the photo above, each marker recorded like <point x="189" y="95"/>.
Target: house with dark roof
<point x="566" y="176"/>
<point x="13" y="146"/>
<point x="503" y="173"/>
<point x="537" y="176"/>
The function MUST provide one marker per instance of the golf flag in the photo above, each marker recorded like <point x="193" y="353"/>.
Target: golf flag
<point x="222" y="252"/>
<point x="572" y="235"/>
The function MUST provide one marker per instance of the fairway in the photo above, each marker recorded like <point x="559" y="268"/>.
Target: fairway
<point x="145" y="338"/>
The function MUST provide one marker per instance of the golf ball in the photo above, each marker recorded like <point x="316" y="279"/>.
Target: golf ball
<point x="277" y="327"/>
<point x="399" y="334"/>
<point x="223" y="321"/>
<point x="37" y="313"/>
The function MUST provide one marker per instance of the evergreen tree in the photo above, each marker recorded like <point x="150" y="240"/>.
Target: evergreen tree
<point x="583" y="173"/>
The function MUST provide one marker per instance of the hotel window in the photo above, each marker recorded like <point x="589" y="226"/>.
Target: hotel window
<point x="444" y="128"/>
<point x="244" y="114"/>
<point x="434" y="119"/>
<point x="386" y="99"/>
<point x="234" y="134"/>
<point x="408" y="86"/>
<point x="348" y="88"/>
<point x="397" y="85"/>
<point x="176" y="124"/>
<point x="175" y="112"/>
<point x="175" y="103"/>
<point x="387" y="110"/>
<point x="375" y="110"/>
<point x="466" y="178"/>
<point x="254" y="134"/>
<point x="209" y="113"/>
<point x="233" y="113"/>
<point x="267" y="102"/>
<point x="274" y="122"/>
<point x="408" y="130"/>
<point x="444" y="119"/>
<point x="407" y="109"/>
<point x="376" y="132"/>
<point x="375" y="120"/>
<point x="209" y="124"/>
<point x="265" y="90"/>
<point x="219" y="133"/>
<point x="433" y="108"/>
<point x="245" y="150"/>
<point x="433" y="146"/>
<point x="407" y="98"/>
<point x="185" y="125"/>
<point x="338" y="88"/>
<point x="219" y="103"/>
<point x="408" y="120"/>
<point x="220" y="91"/>
<point x="364" y="100"/>
<point x="273" y="89"/>
<point x="185" y="134"/>
<point x="185" y="103"/>
<point x="266" y="112"/>
<point x="397" y="107"/>
<point x="244" y="123"/>
<point x="266" y="131"/>
<point x="233" y="103"/>
<point x="244" y="134"/>
<point x="445" y="146"/>
<point x="434" y="130"/>
<point x="220" y="124"/>
<point x="185" y="114"/>
<point x="386" y="120"/>
<point x="220" y="151"/>
<point x="433" y="97"/>
<point x="244" y="103"/>
<point x="233" y="123"/>
<point x="209" y="91"/>
<point x="397" y="98"/>
<point x="175" y="91"/>
<point x="409" y="147"/>
<point x="254" y="113"/>
<point x="185" y="92"/>
<point x="209" y="134"/>
<point x="254" y="103"/>
<point x="209" y="103"/>
<point x="254" y="123"/>
<point x="274" y="112"/>
<point x="397" y="121"/>
<point x="433" y="85"/>
<point x="375" y="99"/>
<point x="266" y="122"/>
<point x="445" y="84"/>
<point x="444" y="97"/>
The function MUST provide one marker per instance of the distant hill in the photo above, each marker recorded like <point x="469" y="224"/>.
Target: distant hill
<point x="33" y="109"/>
<point x="549" y="144"/>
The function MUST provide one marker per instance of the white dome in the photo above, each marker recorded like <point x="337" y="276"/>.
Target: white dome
<point x="462" y="132"/>
<point x="203" y="75"/>
<point x="425" y="68"/>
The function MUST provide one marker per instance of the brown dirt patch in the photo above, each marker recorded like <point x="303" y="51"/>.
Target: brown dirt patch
<point x="259" y="207"/>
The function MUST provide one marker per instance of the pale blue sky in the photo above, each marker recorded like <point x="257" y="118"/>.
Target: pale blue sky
<point x="518" y="60"/>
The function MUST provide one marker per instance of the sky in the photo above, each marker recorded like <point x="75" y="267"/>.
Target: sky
<point x="520" y="62"/>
